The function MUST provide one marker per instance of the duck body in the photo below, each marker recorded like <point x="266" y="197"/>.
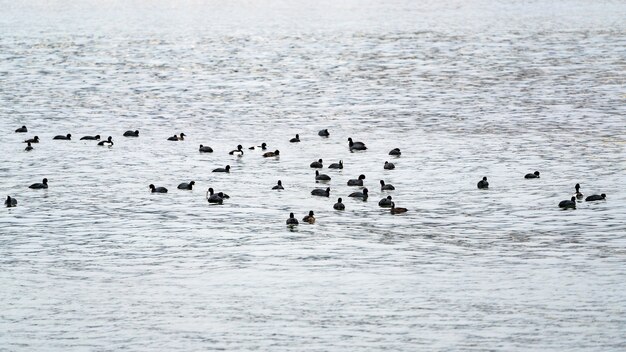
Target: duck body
<point x="22" y="129"/>
<point x="483" y="184"/>
<point x="42" y="185"/>
<point x="205" y="149"/>
<point x="321" y="177"/>
<point x="28" y="147"/>
<point x="175" y="138"/>
<point x="389" y="166"/>
<point x="532" y="175"/>
<point x="296" y="139"/>
<point x="338" y="165"/>
<point x="568" y="204"/>
<point x="309" y="218"/>
<point x="395" y="210"/>
<point x="67" y="137"/>
<point x="317" y="164"/>
<point x="90" y="138"/>
<point x="321" y="192"/>
<point x="279" y="185"/>
<point x="356" y="145"/>
<point x="10" y="202"/>
<point x="363" y="194"/>
<point x="187" y="186"/>
<point x="238" y="151"/>
<point x="32" y="140"/>
<point x="108" y="142"/>
<point x="386" y="187"/>
<point x="131" y="133"/>
<point x="292" y="221"/>
<point x="385" y="202"/>
<point x="339" y="205"/>
<point x="395" y="152"/>
<point x="323" y="133"/>
<point x="213" y="197"/>
<point x="154" y="189"/>
<point x="271" y="154"/>
<point x="357" y="181"/>
<point x="222" y="169"/>
<point x="596" y="197"/>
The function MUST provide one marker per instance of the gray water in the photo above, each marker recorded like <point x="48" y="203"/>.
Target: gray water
<point x="466" y="89"/>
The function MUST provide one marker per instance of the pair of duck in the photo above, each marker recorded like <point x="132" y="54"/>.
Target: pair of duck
<point x="183" y="185"/>
<point x="292" y="221"/>
<point x="319" y="164"/>
<point x="320" y="192"/>
<point x="484" y="184"/>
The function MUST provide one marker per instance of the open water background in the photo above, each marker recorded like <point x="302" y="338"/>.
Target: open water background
<point x="465" y="88"/>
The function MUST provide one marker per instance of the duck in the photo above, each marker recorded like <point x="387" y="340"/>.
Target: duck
<point x="338" y="165"/>
<point x="309" y="218"/>
<point x="356" y="145"/>
<point x="533" y="175"/>
<point x="363" y="194"/>
<point x="395" y="152"/>
<point x="389" y="166"/>
<point x="279" y="185"/>
<point x="292" y="221"/>
<point x="108" y="142"/>
<point x="483" y="184"/>
<point x="42" y="185"/>
<point x="271" y="154"/>
<point x="578" y="194"/>
<point x="323" y="133"/>
<point x="595" y="197"/>
<point x="205" y="149"/>
<point x="568" y="204"/>
<point x="222" y="169"/>
<point x="386" y="187"/>
<point x="296" y="139"/>
<point x="10" y="202"/>
<point x="28" y="147"/>
<point x="238" y="151"/>
<point x="187" y="186"/>
<point x="90" y="138"/>
<point x="321" y="192"/>
<point x="32" y="140"/>
<point x="385" y="202"/>
<point x="213" y="197"/>
<point x="181" y="137"/>
<point x="263" y="146"/>
<point x="67" y="137"/>
<point x="157" y="189"/>
<point x="317" y="164"/>
<point x="395" y="210"/>
<point x="339" y="205"/>
<point x="357" y="181"/>
<point x="22" y="129"/>
<point x="131" y="133"/>
<point x="321" y="177"/>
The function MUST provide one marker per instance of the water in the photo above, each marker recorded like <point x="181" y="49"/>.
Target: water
<point x="465" y="89"/>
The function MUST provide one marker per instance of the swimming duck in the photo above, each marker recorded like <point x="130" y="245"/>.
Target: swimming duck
<point x="271" y="154"/>
<point x="321" y="192"/>
<point x="533" y="175"/>
<point x="339" y="205"/>
<point x="67" y="137"/>
<point x="222" y="169"/>
<point x="568" y="204"/>
<point x="386" y="187"/>
<point x="90" y="138"/>
<point x="28" y="147"/>
<point x="395" y="210"/>
<point x="279" y="185"/>
<point x="108" y="142"/>
<point x="187" y="186"/>
<point x="338" y="165"/>
<point x="32" y="140"/>
<point x="263" y="146"/>
<point x="157" y="189"/>
<point x="356" y="145"/>
<point x="323" y="133"/>
<point x="309" y="218"/>
<point x="238" y="151"/>
<point x="363" y="194"/>
<point x="596" y="197"/>
<point x="43" y="184"/>
<point x="22" y="129"/>
<point x="317" y="164"/>
<point x="483" y="184"/>
<point x="10" y="202"/>
<point x="395" y="152"/>
<point x="321" y="177"/>
<point x="205" y="149"/>
<point x="356" y="182"/>
<point x="177" y="138"/>
<point x="385" y="202"/>
<point x="578" y="194"/>
<point x="389" y="166"/>
<point x="212" y="197"/>
<point x="292" y="221"/>
<point x="296" y="139"/>
<point x="131" y="133"/>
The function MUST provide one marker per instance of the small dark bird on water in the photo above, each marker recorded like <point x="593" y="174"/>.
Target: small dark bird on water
<point x="339" y="205"/>
<point x="238" y="151"/>
<point x="90" y="138"/>
<point x="131" y="133"/>
<point x="568" y="204"/>
<point x="32" y="140"/>
<point x="205" y="149"/>
<point x="42" y="185"/>
<point x="279" y="185"/>
<point x="357" y="181"/>
<point x="292" y="221"/>
<point x="108" y="142"/>
<point x="222" y="169"/>
<point x="389" y="166"/>
<point x="533" y="175"/>
<point x="483" y="184"/>
<point x="181" y="137"/>
<point x="338" y="165"/>
<point x="10" y="202"/>
<point x="187" y="186"/>
<point x="271" y="154"/>
<point x="296" y="139"/>
<point x="356" y="145"/>
<point x="386" y="187"/>
<point x="321" y="192"/>
<point x="28" y="147"/>
<point x="67" y="137"/>
<point x="321" y="177"/>
<point x="395" y="210"/>
<point x="309" y="218"/>
<point x="317" y="164"/>
<point x="395" y="152"/>
<point x="157" y="189"/>
<point x="596" y="197"/>
<point x="22" y="129"/>
<point x="323" y="133"/>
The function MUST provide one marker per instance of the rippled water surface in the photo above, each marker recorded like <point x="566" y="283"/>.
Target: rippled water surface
<point x="466" y="89"/>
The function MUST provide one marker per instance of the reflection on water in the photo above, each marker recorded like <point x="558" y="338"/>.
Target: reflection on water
<point x="465" y="90"/>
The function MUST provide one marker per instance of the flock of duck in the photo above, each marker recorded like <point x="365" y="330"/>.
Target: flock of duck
<point x="219" y="197"/>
